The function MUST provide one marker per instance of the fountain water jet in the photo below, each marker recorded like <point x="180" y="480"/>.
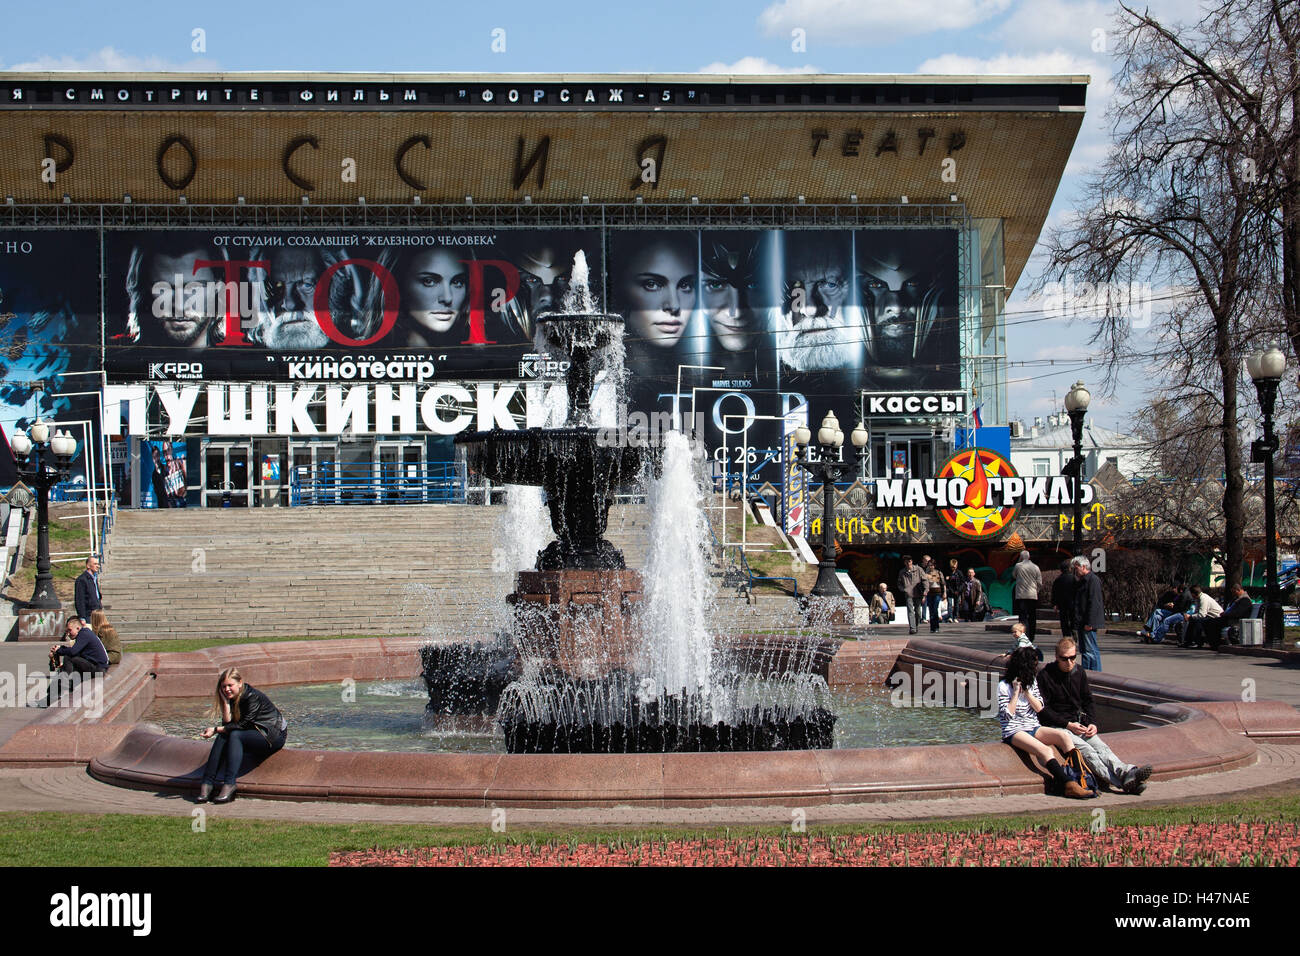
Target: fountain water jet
<point x="602" y="670"/>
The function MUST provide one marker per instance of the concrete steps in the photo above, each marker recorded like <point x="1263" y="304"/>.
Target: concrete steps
<point x="325" y="571"/>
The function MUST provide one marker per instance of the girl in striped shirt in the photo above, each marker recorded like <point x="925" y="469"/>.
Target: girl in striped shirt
<point x="1018" y="705"/>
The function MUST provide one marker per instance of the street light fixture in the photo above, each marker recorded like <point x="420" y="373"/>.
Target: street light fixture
<point x="828" y="469"/>
<point x="1266" y="370"/>
<point x="39" y="473"/>
<point x="1076" y="405"/>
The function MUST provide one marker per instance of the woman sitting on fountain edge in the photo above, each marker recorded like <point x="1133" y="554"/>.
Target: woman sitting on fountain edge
<point x="249" y="722"/>
<point x="1018" y="705"/>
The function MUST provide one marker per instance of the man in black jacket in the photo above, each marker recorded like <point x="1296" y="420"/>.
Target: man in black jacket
<point x="86" y="594"/>
<point x="1241" y="608"/>
<point x="1089" y="612"/>
<point x="1067" y="703"/>
<point x="83" y="654"/>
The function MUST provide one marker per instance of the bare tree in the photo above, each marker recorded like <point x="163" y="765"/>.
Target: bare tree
<point x="1184" y="199"/>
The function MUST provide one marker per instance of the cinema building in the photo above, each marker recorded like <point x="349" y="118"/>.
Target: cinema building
<point x="265" y="290"/>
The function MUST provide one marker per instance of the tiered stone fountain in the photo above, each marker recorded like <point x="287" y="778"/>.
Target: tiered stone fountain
<point x="590" y="676"/>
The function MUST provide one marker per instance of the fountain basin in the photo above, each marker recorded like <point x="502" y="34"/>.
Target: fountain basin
<point x="1185" y="732"/>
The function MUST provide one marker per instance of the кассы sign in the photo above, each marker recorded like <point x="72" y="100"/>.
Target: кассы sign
<point x="881" y="404"/>
<point x="977" y="492"/>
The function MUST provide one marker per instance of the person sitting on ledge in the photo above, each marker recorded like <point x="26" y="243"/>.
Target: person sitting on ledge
<point x="107" y="635"/>
<point x="249" y="722"/>
<point x="1018" y="709"/>
<point x="1204" y="618"/>
<point x="1165" y="607"/>
<point x="83" y="653"/>
<point x="883" y="605"/>
<point x="1021" y="639"/>
<point x="1230" y="620"/>
<point x="1067" y="703"/>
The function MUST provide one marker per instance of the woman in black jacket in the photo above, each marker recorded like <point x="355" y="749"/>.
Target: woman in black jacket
<point x="249" y="722"/>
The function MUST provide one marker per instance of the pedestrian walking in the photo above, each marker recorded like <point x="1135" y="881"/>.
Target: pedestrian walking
<point x="1028" y="580"/>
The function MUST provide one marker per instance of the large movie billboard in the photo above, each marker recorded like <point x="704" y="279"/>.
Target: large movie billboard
<point x="749" y="323"/>
<point x="262" y="306"/>
<point x="49" y="328"/>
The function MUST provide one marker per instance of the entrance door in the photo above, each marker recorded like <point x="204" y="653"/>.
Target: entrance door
<point x="227" y="475"/>
<point x="399" y="469"/>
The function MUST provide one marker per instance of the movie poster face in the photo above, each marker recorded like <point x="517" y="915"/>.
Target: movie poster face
<point x="750" y="323"/>
<point x="764" y="320"/>
<point x="224" y="305"/>
<point x="49" y="328"/>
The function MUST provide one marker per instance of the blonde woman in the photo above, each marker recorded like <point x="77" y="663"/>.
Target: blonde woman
<point x="107" y="635"/>
<point x="249" y="723"/>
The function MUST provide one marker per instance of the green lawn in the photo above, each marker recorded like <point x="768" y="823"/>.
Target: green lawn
<point x="58" y="839"/>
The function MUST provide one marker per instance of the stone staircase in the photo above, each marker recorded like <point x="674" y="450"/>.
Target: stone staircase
<point x="213" y="572"/>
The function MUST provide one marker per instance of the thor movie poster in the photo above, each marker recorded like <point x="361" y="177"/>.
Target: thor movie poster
<point x="274" y="305"/>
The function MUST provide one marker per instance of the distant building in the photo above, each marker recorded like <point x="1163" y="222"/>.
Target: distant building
<point x="1047" y="445"/>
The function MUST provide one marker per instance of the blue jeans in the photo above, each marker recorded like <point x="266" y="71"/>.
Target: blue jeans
<point x="1158" y="615"/>
<point x="1089" y="652"/>
<point x="932" y="603"/>
<point x="1159" y="632"/>
<point x="228" y="750"/>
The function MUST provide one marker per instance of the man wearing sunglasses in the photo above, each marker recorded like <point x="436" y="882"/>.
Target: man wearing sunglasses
<point x="1067" y="703"/>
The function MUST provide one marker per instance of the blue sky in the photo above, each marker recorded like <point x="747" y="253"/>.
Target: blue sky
<point x="667" y="36"/>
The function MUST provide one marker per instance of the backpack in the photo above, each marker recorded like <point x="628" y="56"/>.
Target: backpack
<point x="1078" y="771"/>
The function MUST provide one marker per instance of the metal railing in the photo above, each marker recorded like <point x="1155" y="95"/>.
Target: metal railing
<point x="435" y="483"/>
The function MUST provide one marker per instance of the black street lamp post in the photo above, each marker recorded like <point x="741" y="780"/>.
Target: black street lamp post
<point x="828" y="469"/>
<point x="40" y="449"/>
<point x="1266" y="370"/>
<point x="1076" y="404"/>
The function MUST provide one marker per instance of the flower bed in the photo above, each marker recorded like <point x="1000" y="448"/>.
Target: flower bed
<point x="1198" y="844"/>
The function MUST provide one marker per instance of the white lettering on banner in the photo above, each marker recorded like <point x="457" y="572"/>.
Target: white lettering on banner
<point x="231" y="412"/>
<point x="543" y="404"/>
<point x="738" y="425"/>
<point x="178" y="403"/>
<point x="291" y="415"/>
<point x="493" y="410"/>
<point x="429" y="409"/>
<point x="352" y="410"/>
<point x="405" y="407"/>
<point x="1010" y="490"/>
<point x="915" y="404"/>
<point x="444" y="408"/>
<point x="889" y="492"/>
<point x="136" y="398"/>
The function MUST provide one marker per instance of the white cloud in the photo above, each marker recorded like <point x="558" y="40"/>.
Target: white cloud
<point x="1048" y="24"/>
<point x="1053" y="63"/>
<point x="109" y="59"/>
<point x="755" y="64"/>
<point x="855" y="21"/>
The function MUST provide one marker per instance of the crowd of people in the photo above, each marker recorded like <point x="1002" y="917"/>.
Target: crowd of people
<point x="1196" y="619"/>
<point x="931" y="595"/>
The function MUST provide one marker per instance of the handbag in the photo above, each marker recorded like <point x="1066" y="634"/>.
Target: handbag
<point x="1078" y="771"/>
